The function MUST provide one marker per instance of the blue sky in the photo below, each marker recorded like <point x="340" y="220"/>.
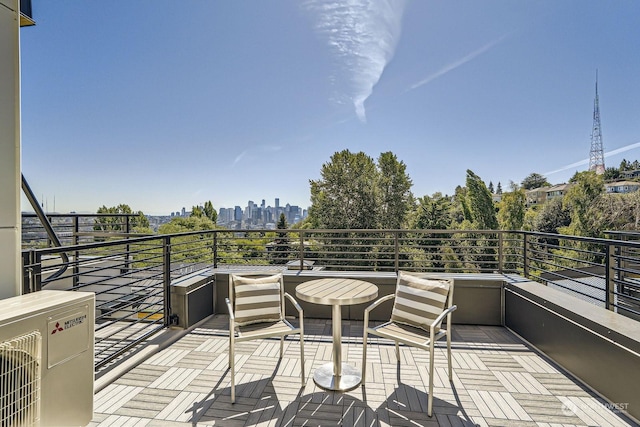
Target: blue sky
<point x="165" y="104"/>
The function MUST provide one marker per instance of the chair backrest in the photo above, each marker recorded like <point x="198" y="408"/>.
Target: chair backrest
<point x="420" y="299"/>
<point x="256" y="297"/>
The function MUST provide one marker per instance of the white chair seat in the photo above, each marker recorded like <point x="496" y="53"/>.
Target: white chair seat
<point x="265" y="330"/>
<point x="405" y="334"/>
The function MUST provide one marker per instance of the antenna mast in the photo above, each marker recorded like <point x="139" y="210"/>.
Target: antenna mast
<point x="596" y="155"/>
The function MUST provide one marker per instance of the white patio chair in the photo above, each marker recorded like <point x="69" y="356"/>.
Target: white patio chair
<point x="256" y="311"/>
<point x="420" y="306"/>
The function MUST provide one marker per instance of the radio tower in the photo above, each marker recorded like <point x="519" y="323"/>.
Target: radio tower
<point x="596" y="155"/>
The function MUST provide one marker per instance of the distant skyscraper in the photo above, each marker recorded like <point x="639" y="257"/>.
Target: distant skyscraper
<point x="596" y="155"/>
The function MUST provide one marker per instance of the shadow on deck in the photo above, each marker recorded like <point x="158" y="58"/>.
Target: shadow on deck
<point x="498" y="381"/>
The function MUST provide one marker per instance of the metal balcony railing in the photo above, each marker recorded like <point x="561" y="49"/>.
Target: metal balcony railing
<point x="131" y="277"/>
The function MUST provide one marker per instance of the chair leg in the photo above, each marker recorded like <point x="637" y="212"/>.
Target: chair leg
<point x="430" y="399"/>
<point x="302" y="376"/>
<point x="397" y="351"/>
<point x="281" y="346"/>
<point x="232" y="368"/>
<point x="364" y="355"/>
<point x="449" y="356"/>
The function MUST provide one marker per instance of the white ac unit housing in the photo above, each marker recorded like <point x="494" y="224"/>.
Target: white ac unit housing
<point x="47" y="359"/>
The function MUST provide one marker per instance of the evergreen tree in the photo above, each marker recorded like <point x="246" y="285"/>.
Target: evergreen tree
<point x="394" y="189"/>
<point x="281" y="242"/>
<point x="481" y="206"/>
<point x="209" y="212"/>
<point x="491" y="190"/>
<point x="534" y="180"/>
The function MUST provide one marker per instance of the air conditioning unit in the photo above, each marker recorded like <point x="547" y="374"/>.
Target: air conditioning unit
<point x="46" y="359"/>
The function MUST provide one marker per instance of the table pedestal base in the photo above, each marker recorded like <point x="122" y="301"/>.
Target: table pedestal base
<point x="351" y="377"/>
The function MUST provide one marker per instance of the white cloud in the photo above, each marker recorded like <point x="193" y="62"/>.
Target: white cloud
<point x="363" y="35"/>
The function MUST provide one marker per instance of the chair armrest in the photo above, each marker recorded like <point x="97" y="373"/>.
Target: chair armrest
<point x="442" y="315"/>
<point x="374" y="305"/>
<point x="378" y="302"/>
<point x="231" y="315"/>
<point x="295" y="304"/>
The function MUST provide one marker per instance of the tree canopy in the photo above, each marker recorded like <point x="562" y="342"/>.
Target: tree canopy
<point x="139" y="223"/>
<point x="355" y="192"/>
<point x="534" y="180"/>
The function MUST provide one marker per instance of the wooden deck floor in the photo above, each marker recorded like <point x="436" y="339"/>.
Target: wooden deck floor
<point x="498" y="381"/>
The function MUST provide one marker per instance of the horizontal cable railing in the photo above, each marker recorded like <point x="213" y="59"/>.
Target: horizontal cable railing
<point x="132" y="277"/>
<point x="73" y="229"/>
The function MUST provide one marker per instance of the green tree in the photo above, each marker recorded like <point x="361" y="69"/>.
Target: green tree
<point x="587" y="187"/>
<point x="394" y="188"/>
<point x="483" y="217"/>
<point x="189" y="249"/>
<point x="345" y="196"/>
<point x="552" y="217"/>
<point x="611" y="174"/>
<point x="534" y="180"/>
<point x="491" y="189"/>
<point x="433" y="213"/>
<point x="210" y="212"/>
<point x="139" y="223"/>
<point x="480" y="203"/>
<point x="281" y="242"/>
<point x="197" y="211"/>
<point x="512" y="208"/>
<point x="499" y="188"/>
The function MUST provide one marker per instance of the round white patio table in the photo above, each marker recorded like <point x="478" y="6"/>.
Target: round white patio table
<point x="336" y="292"/>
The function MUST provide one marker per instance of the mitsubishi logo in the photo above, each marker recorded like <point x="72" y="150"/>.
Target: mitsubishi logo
<point x="57" y="329"/>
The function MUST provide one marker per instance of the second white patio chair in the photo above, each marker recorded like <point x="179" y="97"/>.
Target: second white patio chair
<point x="256" y="311"/>
<point x="420" y="306"/>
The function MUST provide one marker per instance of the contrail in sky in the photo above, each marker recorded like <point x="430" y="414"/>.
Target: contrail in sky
<point x="450" y="67"/>
<point x="239" y="157"/>
<point x="586" y="161"/>
<point x="363" y="35"/>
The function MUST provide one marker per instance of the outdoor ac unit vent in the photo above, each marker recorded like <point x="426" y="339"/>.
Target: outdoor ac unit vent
<point x="20" y="380"/>
<point x="46" y="376"/>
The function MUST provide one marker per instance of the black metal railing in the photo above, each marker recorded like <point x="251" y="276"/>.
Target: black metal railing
<point x="73" y="229"/>
<point x="132" y="277"/>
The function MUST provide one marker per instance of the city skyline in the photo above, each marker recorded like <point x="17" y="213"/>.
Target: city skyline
<point x="220" y="99"/>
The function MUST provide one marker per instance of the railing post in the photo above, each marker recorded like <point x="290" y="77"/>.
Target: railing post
<point x="75" y="270"/>
<point x="525" y="256"/>
<point x="622" y="252"/>
<point x="27" y="271"/>
<point x="609" y="275"/>
<point x="127" y="257"/>
<point x="500" y="251"/>
<point x="301" y="250"/>
<point x="215" y="249"/>
<point x="396" y="251"/>
<point x="166" y="276"/>
<point x="36" y="273"/>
